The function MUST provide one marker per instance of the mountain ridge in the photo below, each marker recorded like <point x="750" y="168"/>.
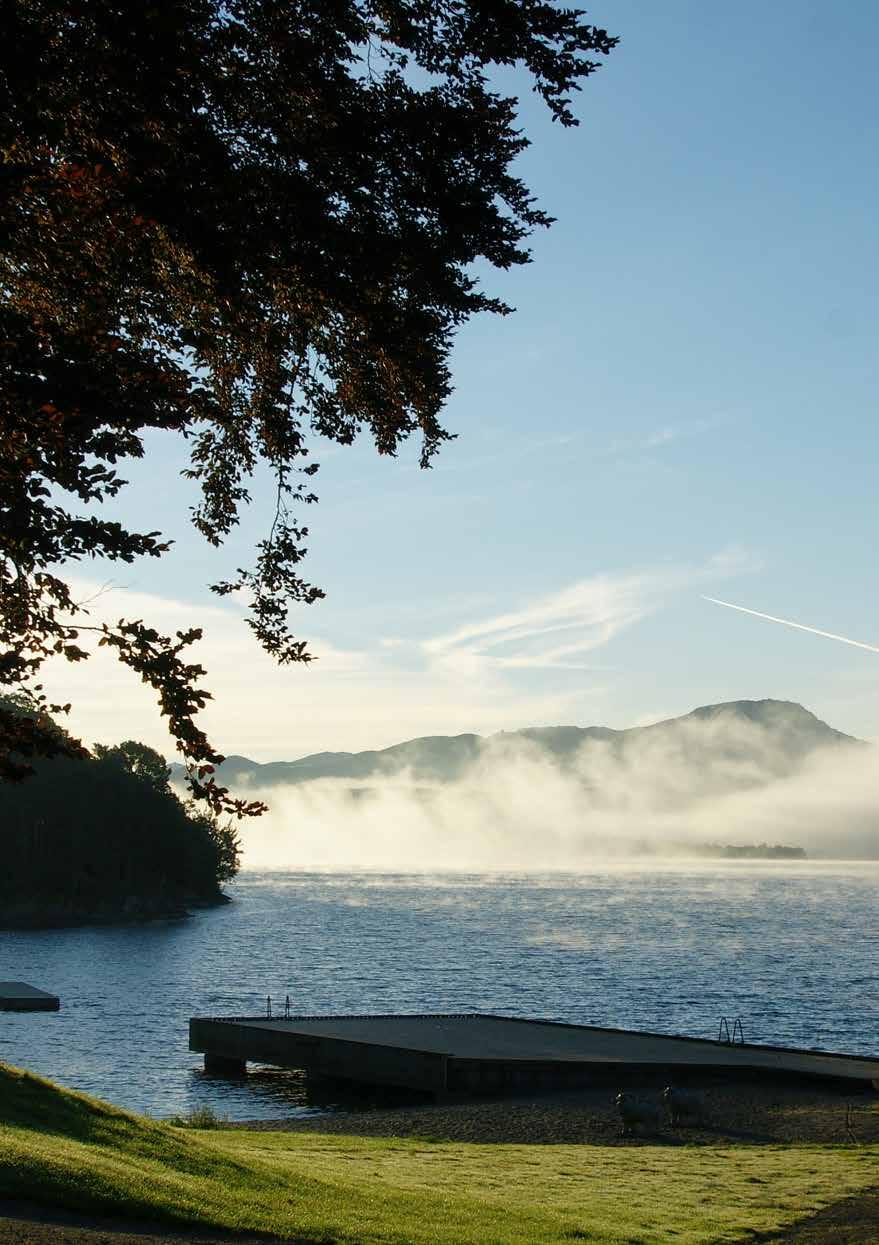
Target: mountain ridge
<point x="794" y="731"/>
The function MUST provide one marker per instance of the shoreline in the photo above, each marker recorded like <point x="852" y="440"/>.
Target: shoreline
<point x="738" y="1111"/>
<point x="132" y="910"/>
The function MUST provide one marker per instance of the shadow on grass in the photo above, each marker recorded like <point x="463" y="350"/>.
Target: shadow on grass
<point x="851" y="1221"/>
<point x="29" y="1221"/>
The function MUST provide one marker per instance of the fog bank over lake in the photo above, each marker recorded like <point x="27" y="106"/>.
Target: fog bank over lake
<point x="562" y="798"/>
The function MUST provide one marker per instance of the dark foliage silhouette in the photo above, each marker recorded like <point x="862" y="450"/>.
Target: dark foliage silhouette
<point x="244" y="223"/>
<point x="107" y="837"/>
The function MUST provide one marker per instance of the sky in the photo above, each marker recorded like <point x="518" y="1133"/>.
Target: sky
<point x="683" y="406"/>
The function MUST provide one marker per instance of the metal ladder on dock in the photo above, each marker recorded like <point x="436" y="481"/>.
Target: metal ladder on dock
<point x="734" y="1036"/>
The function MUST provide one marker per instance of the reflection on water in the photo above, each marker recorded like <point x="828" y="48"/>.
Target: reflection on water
<point x="790" y="948"/>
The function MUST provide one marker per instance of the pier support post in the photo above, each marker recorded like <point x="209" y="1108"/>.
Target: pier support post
<point x="222" y="1065"/>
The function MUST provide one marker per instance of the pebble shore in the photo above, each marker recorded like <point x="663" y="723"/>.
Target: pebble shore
<point x="740" y="1113"/>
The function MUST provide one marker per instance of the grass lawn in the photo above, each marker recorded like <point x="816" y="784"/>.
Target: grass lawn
<point x="64" y="1149"/>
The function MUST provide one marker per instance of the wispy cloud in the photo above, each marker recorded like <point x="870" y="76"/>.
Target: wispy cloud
<point x="579" y="441"/>
<point x="490" y="672"/>
<point x="589" y="612"/>
<point x="349" y="698"/>
<point x="656" y="438"/>
<point x="587" y="615"/>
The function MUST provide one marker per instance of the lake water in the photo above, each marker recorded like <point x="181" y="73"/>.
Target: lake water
<point x="792" y="949"/>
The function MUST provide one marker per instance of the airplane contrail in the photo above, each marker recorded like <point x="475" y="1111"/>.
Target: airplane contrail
<point x="828" y="635"/>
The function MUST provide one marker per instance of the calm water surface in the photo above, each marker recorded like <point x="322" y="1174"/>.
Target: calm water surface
<point x="792" y="949"/>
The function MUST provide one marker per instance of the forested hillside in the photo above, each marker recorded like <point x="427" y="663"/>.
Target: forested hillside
<point x="105" y="839"/>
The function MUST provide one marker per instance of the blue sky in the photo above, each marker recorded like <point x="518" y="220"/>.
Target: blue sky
<point x="683" y="404"/>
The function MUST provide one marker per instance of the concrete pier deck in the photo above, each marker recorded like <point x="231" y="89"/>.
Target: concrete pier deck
<point x="18" y="996"/>
<point x="479" y="1053"/>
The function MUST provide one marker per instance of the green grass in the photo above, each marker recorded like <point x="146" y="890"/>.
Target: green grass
<point x="64" y="1149"/>
<point x="200" y="1117"/>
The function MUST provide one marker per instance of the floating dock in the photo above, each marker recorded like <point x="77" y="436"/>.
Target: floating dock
<point x="478" y="1053"/>
<point x="18" y="996"/>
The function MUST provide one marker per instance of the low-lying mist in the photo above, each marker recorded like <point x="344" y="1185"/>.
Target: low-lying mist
<point x="655" y="793"/>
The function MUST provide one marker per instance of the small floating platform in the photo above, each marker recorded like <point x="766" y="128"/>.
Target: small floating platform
<point x="479" y="1053"/>
<point x="18" y="996"/>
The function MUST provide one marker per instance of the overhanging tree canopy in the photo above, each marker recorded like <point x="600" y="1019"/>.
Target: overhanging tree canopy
<point x="243" y="222"/>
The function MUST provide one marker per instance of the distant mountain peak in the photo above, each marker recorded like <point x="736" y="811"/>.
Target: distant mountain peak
<point x="770" y="713"/>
